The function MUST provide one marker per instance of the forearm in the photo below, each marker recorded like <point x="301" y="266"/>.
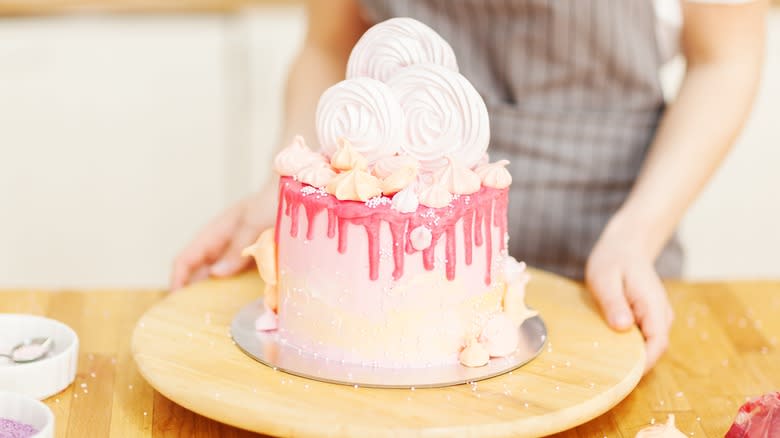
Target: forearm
<point x="333" y="28"/>
<point x="314" y="70"/>
<point x="693" y="138"/>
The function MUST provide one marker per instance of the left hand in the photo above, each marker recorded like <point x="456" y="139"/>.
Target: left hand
<point x="621" y="275"/>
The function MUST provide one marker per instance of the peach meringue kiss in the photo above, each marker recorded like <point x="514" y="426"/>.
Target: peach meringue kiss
<point x="667" y="430"/>
<point x="500" y="335"/>
<point x="347" y="158"/>
<point x="264" y="253"/>
<point x="474" y="354"/>
<point x="354" y="185"/>
<point x="399" y="180"/>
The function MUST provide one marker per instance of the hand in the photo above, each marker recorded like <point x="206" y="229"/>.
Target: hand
<point x="216" y="250"/>
<point x="621" y="275"/>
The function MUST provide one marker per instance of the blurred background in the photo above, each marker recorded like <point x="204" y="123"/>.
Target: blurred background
<point x="126" y="125"/>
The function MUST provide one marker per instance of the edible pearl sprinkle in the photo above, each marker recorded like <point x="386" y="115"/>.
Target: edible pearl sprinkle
<point x="14" y="429"/>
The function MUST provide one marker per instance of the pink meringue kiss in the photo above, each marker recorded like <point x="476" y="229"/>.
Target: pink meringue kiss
<point x="500" y="335"/>
<point x="420" y="238"/>
<point x="267" y="321"/>
<point x="406" y="201"/>
<point x="397" y="43"/>
<point x="495" y="175"/>
<point x="457" y="178"/>
<point x="435" y="196"/>
<point x="290" y="160"/>
<point x="316" y="174"/>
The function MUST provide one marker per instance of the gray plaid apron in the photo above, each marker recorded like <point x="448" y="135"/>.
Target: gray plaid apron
<point x="574" y="97"/>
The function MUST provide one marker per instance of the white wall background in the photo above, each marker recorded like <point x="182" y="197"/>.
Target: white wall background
<point x="121" y="136"/>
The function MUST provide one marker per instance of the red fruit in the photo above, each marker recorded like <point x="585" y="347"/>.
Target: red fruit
<point x="758" y="418"/>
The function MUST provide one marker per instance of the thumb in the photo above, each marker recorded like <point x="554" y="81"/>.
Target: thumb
<point x="607" y="288"/>
<point x="232" y="261"/>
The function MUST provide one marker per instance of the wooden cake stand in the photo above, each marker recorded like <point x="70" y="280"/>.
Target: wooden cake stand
<point x="184" y="350"/>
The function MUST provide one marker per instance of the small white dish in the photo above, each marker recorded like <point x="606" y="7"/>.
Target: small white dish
<point x="27" y="410"/>
<point x="45" y="377"/>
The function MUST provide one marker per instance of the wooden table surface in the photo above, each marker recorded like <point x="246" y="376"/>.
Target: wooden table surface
<point x="724" y="348"/>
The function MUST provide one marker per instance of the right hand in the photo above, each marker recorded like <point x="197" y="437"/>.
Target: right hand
<point x="216" y="250"/>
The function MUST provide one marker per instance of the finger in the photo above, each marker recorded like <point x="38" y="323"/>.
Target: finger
<point x="651" y="307"/>
<point x="232" y="262"/>
<point x="209" y="245"/>
<point x="607" y="287"/>
<point x="200" y="274"/>
<point x="180" y="273"/>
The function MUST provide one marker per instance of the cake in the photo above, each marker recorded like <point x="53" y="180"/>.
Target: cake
<point x="390" y="244"/>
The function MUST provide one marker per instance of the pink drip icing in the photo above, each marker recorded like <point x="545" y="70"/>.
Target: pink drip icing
<point x="331" y="223"/>
<point x="294" y="216"/>
<point x="478" y="227"/>
<point x="372" y="229"/>
<point x="311" y="214"/>
<point x="409" y="248"/>
<point x="451" y="253"/>
<point x="488" y="207"/>
<point x="488" y="243"/>
<point x="342" y="224"/>
<point x="502" y="224"/>
<point x="468" y="232"/>
<point x="398" y="230"/>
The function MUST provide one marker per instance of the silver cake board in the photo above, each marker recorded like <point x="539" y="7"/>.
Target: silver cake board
<point x="267" y="348"/>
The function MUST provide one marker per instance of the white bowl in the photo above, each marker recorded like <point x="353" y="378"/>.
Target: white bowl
<point x="47" y="376"/>
<point x="24" y="409"/>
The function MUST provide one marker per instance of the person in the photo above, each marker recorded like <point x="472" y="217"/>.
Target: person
<point x="603" y="167"/>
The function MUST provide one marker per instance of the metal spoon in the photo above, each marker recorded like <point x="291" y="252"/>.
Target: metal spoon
<point x="40" y="348"/>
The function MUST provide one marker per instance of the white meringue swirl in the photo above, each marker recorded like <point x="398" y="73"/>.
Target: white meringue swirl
<point x="444" y="115"/>
<point x="394" y="44"/>
<point x="364" y="111"/>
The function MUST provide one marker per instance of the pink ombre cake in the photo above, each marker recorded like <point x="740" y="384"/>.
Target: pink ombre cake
<point x="389" y="248"/>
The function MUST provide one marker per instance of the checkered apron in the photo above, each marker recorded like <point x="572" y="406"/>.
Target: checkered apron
<point x="574" y="97"/>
